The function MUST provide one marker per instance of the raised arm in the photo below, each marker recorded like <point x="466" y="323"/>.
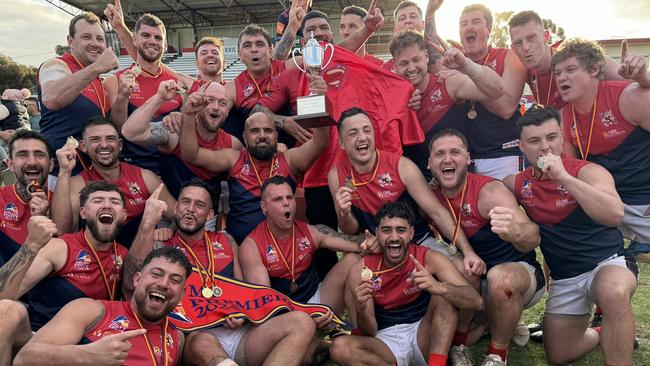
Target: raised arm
<point x="62" y="201"/>
<point x="632" y="67"/>
<point x="153" y="182"/>
<point x="214" y="160"/>
<point x="118" y="90"/>
<point x="497" y="204"/>
<point x="138" y="127"/>
<point x="285" y="44"/>
<point x="593" y="188"/>
<point x="115" y="16"/>
<point x="362" y="297"/>
<point x="430" y="31"/>
<point x="419" y="190"/>
<point x="342" y="197"/>
<point x="371" y="23"/>
<point x="326" y="237"/>
<point x="251" y="264"/>
<point x="478" y="82"/>
<point x="634" y="104"/>
<point x="60" y="87"/>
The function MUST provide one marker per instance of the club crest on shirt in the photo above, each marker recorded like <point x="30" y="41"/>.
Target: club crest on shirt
<point x="271" y="254"/>
<point x="248" y="91"/>
<point x="334" y="76"/>
<point x="120" y="323"/>
<point x="607" y="118"/>
<point x="11" y="212"/>
<point x="436" y="95"/>
<point x="304" y="244"/>
<point x="134" y="188"/>
<point x="385" y="180"/>
<point x="82" y="262"/>
<point x="527" y="189"/>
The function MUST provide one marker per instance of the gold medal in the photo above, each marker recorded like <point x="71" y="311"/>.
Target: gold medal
<point x="293" y="286"/>
<point x="34" y="187"/>
<point x="366" y="274"/>
<point x="72" y="142"/>
<point x="471" y="114"/>
<point x="217" y="291"/>
<point x="452" y="249"/>
<point x="136" y="70"/>
<point x="349" y="184"/>
<point x="540" y="162"/>
<point x="207" y="292"/>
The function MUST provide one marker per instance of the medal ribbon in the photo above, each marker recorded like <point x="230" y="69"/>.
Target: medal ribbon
<point x="257" y="174"/>
<point x="209" y="273"/>
<point x="374" y="173"/>
<point x="257" y="86"/>
<point x="147" y="341"/>
<point x="484" y="63"/>
<point x="550" y="83"/>
<point x="576" y="124"/>
<point x="109" y="289"/>
<point x="100" y="99"/>
<point x="291" y="269"/>
<point x="457" y="217"/>
<point x="378" y="272"/>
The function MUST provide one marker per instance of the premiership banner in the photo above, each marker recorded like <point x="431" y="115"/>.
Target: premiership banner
<point x="237" y="299"/>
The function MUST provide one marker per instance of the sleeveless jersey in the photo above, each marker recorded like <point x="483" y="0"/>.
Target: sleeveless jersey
<point x="120" y="317"/>
<point x="437" y="112"/>
<point x="222" y="253"/>
<point x="79" y="277"/>
<point x="57" y="125"/>
<point x="132" y="185"/>
<point x="489" y="135"/>
<point x="397" y="301"/>
<point x="13" y="224"/>
<point x="384" y="186"/>
<point x="175" y="172"/>
<point x="280" y="276"/>
<point x="617" y="145"/>
<point x="146" y="87"/>
<point x="572" y="242"/>
<point x="245" y="212"/>
<point x="487" y="245"/>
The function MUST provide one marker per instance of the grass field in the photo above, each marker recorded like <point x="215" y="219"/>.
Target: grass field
<point x="533" y="353"/>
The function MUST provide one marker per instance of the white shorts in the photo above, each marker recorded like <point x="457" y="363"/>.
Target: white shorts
<point x="636" y="225"/>
<point x="232" y="341"/>
<point x="402" y="340"/>
<point x="532" y="295"/>
<point x="571" y="296"/>
<point x="497" y="168"/>
<point x="315" y="298"/>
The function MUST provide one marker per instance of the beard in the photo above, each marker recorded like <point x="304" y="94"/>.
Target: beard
<point x="149" y="315"/>
<point x="104" y="238"/>
<point x="263" y="154"/>
<point x="147" y="58"/>
<point x="189" y="230"/>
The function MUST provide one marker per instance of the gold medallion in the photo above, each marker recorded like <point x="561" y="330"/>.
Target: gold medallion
<point x="72" y="142"/>
<point x="349" y="184"/>
<point x="293" y="286"/>
<point x="34" y="187"/>
<point x="471" y="114"/>
<point x="452" y="249"/>
<point x="136" y="70"/>
<point x="207" y="292"/>
<point x="540" y="162"/>
<point x="366" y="274"/>
<point x="217" y="291"/>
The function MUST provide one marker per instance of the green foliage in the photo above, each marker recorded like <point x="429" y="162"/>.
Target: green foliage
<point x="501" y="38"/>
<point x="16" y="76"/>
<point x="60" y="50"/>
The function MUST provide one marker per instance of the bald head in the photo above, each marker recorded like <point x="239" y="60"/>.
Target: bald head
<point x="216" y="112"/>
<point x="260" y="136"/>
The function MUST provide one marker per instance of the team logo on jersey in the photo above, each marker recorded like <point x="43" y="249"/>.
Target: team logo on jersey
<point x="120" y="323"/>
<point x="384" y="195"/>
<point x="134" y="188"/>
<point x="304" y="244"/>
<point x="607" y="118"/>
<point x="527" y="189"/>
<point x="117" y="261"/>
<point x="466" y="210"/>
<point x="248" y="91"/>
<point x="245" y="168"/>
<point x="385" y="180"/>
<point x="82" y="262"/>
<point x="493" y="65"/>
<point x="335" y="75"/>
<point x="11" y="212"/>
<point x="436" y="95"/>
<point x="217" y="246"/>
<point x="271" y="254"/>
<point x="179" y="314"/>
<point x="562" y="202"/>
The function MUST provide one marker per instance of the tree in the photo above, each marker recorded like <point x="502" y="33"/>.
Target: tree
<point x="16" y="76"/>
<point x="60" y="50"/>
<point x="500" y="36"/>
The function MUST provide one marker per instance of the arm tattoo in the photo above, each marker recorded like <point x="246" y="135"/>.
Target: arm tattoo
<point x="430" y="34"/>
<point x="19" y="262"/>
<point x="95" y="321"/>
<point x="284" y="46"/>
<point x="358" y="238"/>
<point x="158" y="134"/>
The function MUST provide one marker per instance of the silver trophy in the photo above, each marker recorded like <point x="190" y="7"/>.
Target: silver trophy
<point x="313" y="110"/>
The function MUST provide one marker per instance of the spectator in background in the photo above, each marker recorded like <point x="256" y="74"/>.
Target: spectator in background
<point x="17" y="118"/>
<point x="34" y="112"/>
<point x="283" y="21"/>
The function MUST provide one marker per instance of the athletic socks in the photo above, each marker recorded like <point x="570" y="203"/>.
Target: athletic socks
<point x="498" y="349"/>
<point x="437" y="360"/>
<point x="460" y="338"/>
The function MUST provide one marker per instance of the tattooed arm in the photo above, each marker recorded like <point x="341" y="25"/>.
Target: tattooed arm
<point x="285" y="44"/>
<point x="430" y="32"/>
<point x="329" y="238"/>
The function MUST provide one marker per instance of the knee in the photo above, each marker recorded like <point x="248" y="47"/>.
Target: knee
<point x="340" y="349"/>
<point x="442" y="308"/>
<point x="614" y="299"/>
<point x="12" y="313"/>
<point x="500" y="284"/>
<point x="300" y="324"/>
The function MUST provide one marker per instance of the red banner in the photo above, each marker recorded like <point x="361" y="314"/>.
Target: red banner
<point x="238" y="299"/>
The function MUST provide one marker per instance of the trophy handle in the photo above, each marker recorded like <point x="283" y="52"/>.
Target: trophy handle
<point x="293" y="56"/>
<point x="329" y="45"/>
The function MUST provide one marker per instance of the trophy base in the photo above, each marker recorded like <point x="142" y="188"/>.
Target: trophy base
<point x="315" y="120"/>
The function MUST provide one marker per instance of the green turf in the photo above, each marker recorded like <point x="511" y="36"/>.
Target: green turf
<point x="533" y="353"/>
